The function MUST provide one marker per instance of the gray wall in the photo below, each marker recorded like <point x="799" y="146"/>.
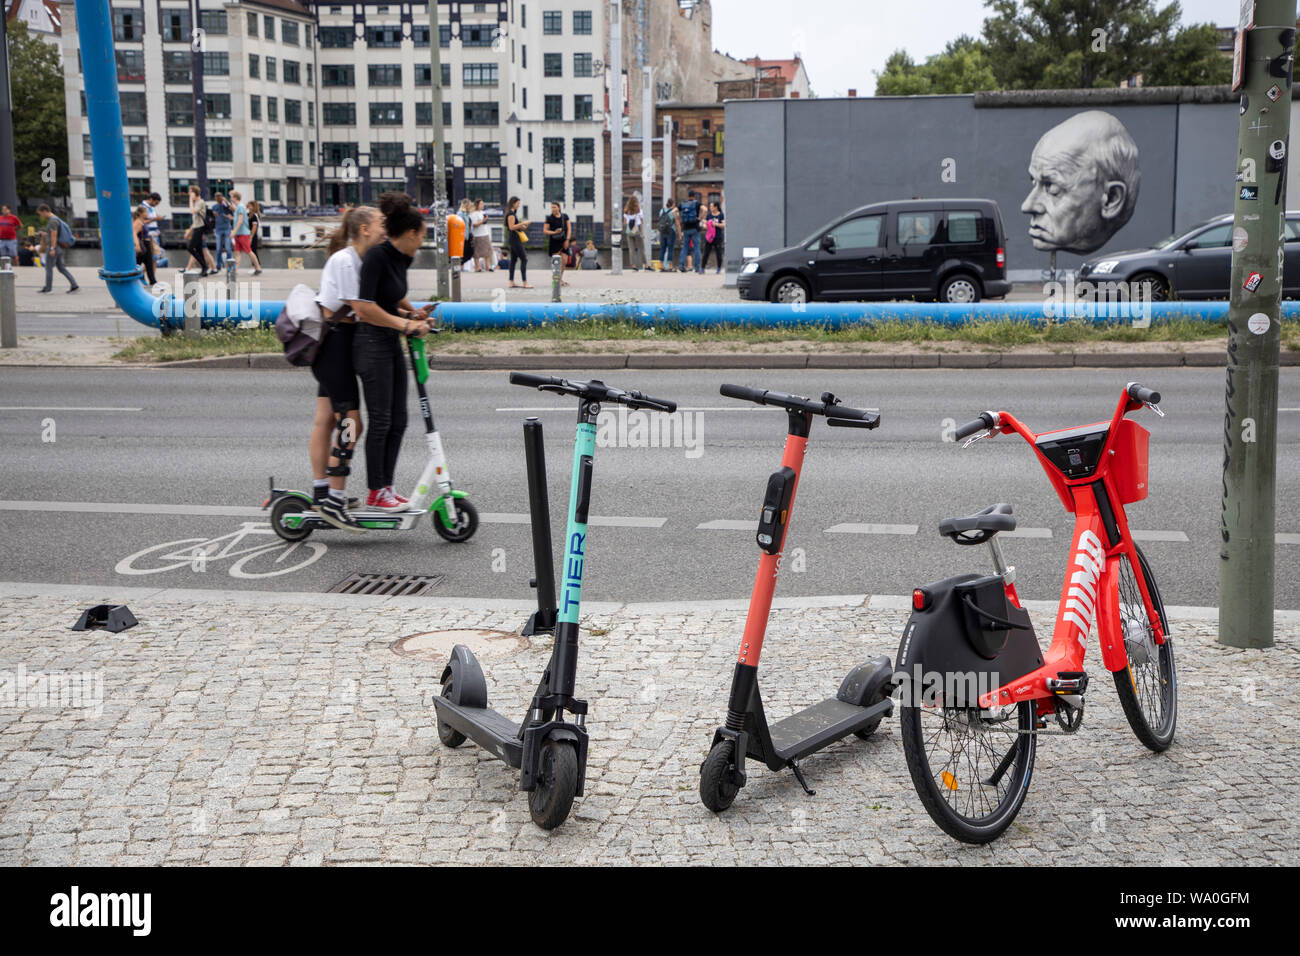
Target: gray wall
<point x="793" y="165"/>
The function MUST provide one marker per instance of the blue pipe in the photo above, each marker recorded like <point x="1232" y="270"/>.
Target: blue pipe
<point x="120" y="271"/>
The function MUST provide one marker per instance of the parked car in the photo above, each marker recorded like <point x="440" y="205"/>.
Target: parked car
<point x="953" y="250"/>
<point x="1193" y="264"/>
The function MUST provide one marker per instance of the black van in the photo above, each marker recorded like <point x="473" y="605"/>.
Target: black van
<point x="953" y="250"/>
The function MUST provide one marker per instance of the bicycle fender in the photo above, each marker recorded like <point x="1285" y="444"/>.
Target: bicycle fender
<point x="1109" y="632"/>
<point x="469" y="686"/>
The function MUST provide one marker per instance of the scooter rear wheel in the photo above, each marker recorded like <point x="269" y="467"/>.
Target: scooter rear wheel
<point x="557" y="784"/>
<point x="449" y="736"/>
<point x="717" y="792"/>
<point x="287" y="506"/>
<point x="466" y="522"/>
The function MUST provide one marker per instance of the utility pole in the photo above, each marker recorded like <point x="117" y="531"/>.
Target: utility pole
<point x="1247" y="531"/>
<point x="200" y="101"/>
<point x="647" y="161"/>
<point x="615" y="116"/>
<point x="437" y="160"/>
<point x="8" y="172"/>
<point x="668" y="158"/>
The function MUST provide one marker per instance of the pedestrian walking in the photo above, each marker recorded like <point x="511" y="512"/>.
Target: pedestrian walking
<point x="517" y="230"/>
<point x="632" y="226"/>
<point x="202" y="222"/>
<point x="225" y="222"/>
<point x="9" y="226"/>
<point x="689" y="214"/>
<point x="255" y="233"/>
<point x="670" y="230"/>
<point x="481" y="238"/>
<point x="466" y="252"/>
<point x="243" y="234"/>
<point x="144" y="247"/>
<point x="714" y="236"/>
<point x="153" y="225"/>
<point x="56" y="238"/>
<point x="558" y="230"/>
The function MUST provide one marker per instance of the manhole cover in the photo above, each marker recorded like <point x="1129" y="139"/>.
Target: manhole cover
<point x="406" y="585"/>
<point x="435" y="646"/>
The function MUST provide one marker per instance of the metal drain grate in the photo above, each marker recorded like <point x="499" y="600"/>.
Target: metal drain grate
<point x="406" y="585"/>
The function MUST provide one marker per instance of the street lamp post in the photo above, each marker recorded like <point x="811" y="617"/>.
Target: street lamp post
<point x="436" y="159"/>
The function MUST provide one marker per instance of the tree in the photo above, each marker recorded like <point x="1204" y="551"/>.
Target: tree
<point x="40" y="125"/>
<point x="962" y="67"/>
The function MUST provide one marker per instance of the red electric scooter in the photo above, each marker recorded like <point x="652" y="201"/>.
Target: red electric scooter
<point x="863" y="699"/>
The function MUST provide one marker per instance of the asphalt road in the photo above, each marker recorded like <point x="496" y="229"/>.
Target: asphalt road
<point x="153" y="457"/>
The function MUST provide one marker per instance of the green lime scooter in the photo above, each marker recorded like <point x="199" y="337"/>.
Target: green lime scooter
<point x="453" y="516"/>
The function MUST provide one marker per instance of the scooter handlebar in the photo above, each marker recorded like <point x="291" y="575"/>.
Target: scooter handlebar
<point x="838" y="415"/>
<point x="528" y="380"/>
<point x="1142" y="394"/>
<point x="970" y="428"/>
<point x="594" y="390"/>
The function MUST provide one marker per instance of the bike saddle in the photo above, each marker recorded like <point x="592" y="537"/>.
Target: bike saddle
<point x="985" y="524"/>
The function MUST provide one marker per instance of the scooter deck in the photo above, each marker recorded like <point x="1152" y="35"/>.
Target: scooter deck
<point x="820" y="725"/>
<point x="492" y="731"/>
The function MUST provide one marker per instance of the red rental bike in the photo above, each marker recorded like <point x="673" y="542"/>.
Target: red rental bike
<point x="976" y="691"/>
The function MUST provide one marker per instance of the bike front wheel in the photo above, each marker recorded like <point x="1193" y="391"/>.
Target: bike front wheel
<point x="1148" y="686"/>
<point x="970" y="771"/>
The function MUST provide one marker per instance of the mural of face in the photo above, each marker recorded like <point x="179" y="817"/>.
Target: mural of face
<point x="1085" y="183"/>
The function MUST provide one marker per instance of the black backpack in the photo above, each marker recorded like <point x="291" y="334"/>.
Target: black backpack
<point x="209" y="219"/>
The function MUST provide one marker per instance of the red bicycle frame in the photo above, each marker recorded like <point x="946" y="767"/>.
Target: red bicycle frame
<point x="1090" y="593"/>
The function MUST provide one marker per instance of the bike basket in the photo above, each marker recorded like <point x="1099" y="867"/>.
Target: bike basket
<point x="984" y="610"/>
<point x="1129" y="468"/>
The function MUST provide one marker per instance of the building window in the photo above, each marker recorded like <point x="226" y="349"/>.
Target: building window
<point x="255" y="107"/>
<point x="387" y="154"/>
<point x="85" y="146"/>
<point x="337" y="74"/>
<point x="553" y="107"/>
<point x="272" y="109"/>
<point x="311" y="113"/>
<point x="129" y="25"/>
<point x="258" y="153"/>
<point x="259" y="191"/>
<point x="446" y="117"/>
<point x="251" y="25"/>
<point x="552" y="64"/>
<point x="175" y="25"/>
<point x="176" y="66"/>
<point x="582" y="64"/>
<point x="582" y="107"/>
<point x="268" y="27"/>
<point x="216" y="106"/>
<point x="582" y="22"/>
<point x="275" y="197"/>
<point x="270" y="68"/>
<point x="254" y="66"/>
<point x="293" y="112"/>
<point x="482" y="154"/>
<point x="310" y="78"/>
<point x="584" y="150"/>
<point x="289" y="32"/>
<point x="489" y="191"/>
<point x="339" y="114"/>
<point x="336" y="38"/>
<point x="180" y="196"/>
<point x="552" y="22"/>
<point x="444" y="34"/>
<point x="424" y="114"/>
<point x="134" y="112"/>
<point x="478" y="74"/>
<point x="139" y="189"/>
<point x="385" y="114"/>
<point x="553" y="189"/>
<point x="385" y="74"/>
<point x="552" y="149"/>
<point x="584" y="227"/>
<point x="219" y="149"/>
<point x="90" y="188"/>
<point x="273" y="146"/>
<point x="384" y="36"/>
<point x="420" y="34"/>
<point x="482" y="114"/>
<point x="584" y="189"/>
<point x="218" y="64"/>
<point x="292" y="71"/>
<point x="213" y="22"/>
<point x="293" y="152"/>
<point x="333" y="154"/>
<point x="130" y="66"/>
<point x="180" y="109"/>
<point x="479" y="34"/>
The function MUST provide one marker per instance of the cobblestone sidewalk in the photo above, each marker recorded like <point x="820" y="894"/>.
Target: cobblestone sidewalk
<point x="237" y="729"/>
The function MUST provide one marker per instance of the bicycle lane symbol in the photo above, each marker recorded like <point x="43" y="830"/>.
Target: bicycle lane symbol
<point x="249" y="559"/>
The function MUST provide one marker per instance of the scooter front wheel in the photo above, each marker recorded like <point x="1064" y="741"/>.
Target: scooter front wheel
<point x="289" y="506"/>
<point x="449" y="736"/>
<point x="716" y="788"/>
<point x="557" y="784"/>
<point x="466" y="522"/>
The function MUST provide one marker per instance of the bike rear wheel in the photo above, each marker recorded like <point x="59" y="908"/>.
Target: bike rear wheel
<point x="971" y="772"/>
<point x="1148" y="686"/>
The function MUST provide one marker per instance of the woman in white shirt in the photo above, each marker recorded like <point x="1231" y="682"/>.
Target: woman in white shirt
<point x="338" y="399"/>
<point x="632" y="225"/>
<point x="480" y="237"/>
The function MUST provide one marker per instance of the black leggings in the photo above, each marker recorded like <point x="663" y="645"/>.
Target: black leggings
<point x="520" y="256"/>
<point x="146" y="259"/>
<point x="195" y="248"/>
<point x="380" y="362"/>
<point x="711" y="248"/>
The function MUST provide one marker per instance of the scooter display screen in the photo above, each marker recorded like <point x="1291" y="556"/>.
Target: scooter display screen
<point x="776" y="511"/>
<point x="1075" y="452"/>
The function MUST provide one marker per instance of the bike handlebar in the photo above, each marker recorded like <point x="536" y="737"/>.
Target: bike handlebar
<point x="970" y="428"/>
<point x="837" y="415"/>
<point x="1142" y="394"/>
<point x="593" y="390"/>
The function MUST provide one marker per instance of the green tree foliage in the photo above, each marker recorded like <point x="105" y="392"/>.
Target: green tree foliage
<point x="40" y="125"/>
<point x="1066" y="44"/>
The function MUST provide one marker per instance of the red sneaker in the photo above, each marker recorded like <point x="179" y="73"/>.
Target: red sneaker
<point x="381" y="500"/>
<point x="400" y="499"/>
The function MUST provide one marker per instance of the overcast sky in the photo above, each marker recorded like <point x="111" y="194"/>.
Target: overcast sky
<point x="843" y="42"/>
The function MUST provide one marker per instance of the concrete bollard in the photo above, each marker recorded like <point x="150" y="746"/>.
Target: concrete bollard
<point x="555" y="278"/>
<point x="193" y="303"/>
<point x="8" y="312"/>
<point x="455" y="278"/>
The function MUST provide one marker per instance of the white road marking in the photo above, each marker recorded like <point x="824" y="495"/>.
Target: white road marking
<point x="1289" y="409"/>
<point x="872" y="529"/>
<point x="1284" y="537"/>
<point x="728" y="524"/>
<point x="65" y="408"/>
<point x="1158" y="536"/>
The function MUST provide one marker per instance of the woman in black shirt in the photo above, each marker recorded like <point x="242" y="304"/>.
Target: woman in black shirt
<point x="517" y="230"/>
<point x="379" y="354"/>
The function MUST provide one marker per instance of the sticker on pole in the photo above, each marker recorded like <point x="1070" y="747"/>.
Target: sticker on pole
<point x="1273" y="92"/>
<point x="1252" y="282"/>
<point x="1240" y="239"/>
<point x="1249" y="193"/>
<point x="1258" y="323"/>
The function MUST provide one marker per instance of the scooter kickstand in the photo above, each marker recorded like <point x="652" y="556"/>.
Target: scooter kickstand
<point x="798" y="775"/>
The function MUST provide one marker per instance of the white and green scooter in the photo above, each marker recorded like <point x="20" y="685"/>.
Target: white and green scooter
<point x="452" y="514"/>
